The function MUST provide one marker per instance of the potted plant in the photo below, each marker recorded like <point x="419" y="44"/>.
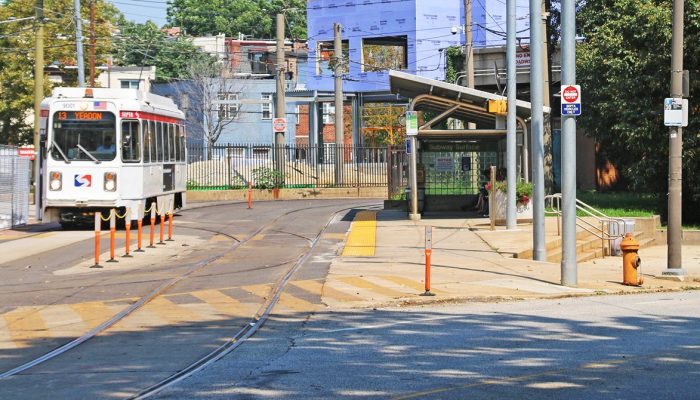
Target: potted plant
<point x="268" y="178"/>
<point x="523" y="196"/>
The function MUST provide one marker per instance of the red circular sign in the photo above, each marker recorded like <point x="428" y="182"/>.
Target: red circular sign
<point x="279" y="124"/>
<point x="570" y="94"/>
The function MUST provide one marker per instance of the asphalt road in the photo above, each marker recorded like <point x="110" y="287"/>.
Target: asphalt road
<point x="52" y="296"/>
<point x="601" y="347"/>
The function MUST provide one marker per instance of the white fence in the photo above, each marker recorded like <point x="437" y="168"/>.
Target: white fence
<point x="14" y="187"/>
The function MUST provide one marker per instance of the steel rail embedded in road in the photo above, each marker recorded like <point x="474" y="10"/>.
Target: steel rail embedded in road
<point x="247" y="331"/>
<point x="146" y="299"/>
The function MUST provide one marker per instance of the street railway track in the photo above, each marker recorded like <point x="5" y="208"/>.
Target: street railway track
<point x="248" y="330"/>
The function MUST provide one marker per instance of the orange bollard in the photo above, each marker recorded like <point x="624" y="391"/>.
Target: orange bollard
<point x="162" y="227"/>
<point x="112" y="233"/>
<point x="250" y="195"/>
<point x="127" y="226"/>
<point x="170" y="227"/>
<point x="153" y="225"/>
<point x="98" y="227"/>
<point x="139" y="235"/>
<point x="428" y="253"/>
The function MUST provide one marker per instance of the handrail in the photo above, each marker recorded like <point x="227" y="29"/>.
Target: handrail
<point x="552" y="204"/>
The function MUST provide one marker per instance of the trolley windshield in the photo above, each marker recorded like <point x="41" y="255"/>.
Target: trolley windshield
<point x="84" y="135"/>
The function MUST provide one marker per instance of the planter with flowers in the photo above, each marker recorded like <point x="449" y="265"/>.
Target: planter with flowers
<point x="523" y="203"/>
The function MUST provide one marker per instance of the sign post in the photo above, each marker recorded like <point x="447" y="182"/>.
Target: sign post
<point x="428" y="254"/>
<point x="571" y="100"/>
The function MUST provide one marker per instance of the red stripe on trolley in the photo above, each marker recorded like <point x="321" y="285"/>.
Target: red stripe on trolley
<point x="148" y="117"/>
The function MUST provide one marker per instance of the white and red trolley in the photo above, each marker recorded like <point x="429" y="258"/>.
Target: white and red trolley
<point x="109" y="148"/>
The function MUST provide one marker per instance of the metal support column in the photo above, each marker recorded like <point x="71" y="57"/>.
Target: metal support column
<point x="536" y="100"/>
<point x="511" y="139"/>
<point x="569" y="274"/>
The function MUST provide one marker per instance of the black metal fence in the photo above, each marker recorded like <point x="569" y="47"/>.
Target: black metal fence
<point x="232" y="166"/>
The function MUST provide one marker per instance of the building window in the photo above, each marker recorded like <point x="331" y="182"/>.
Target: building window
<point x="228" y="111"/>
<point x="129" y="84"/>
<point x="266" y="108"/>
<point x="325" y="60"/>
<point x="328" y="113"/>
<point x="382" y="53"/>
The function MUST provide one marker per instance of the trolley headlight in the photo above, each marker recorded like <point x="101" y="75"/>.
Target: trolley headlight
<point x="110" y="181"/>
<point x="55" y="181"/>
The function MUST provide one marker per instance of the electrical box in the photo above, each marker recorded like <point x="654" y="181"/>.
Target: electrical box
<point x="498" y="107"/>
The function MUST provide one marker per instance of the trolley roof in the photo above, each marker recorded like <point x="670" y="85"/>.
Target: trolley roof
<point x="126" y="99"/>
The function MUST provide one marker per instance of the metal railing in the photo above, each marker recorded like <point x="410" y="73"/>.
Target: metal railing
<point x="14" y="188"/>
<point x="595" y="222"/>
<point x="232" y="166"/>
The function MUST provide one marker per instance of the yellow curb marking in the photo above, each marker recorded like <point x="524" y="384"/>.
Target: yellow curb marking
<point x="222" y="303"/>
<point x="25" y="324"/>
<point x="365" y="284"/>
<point x="362" y="239"/>
<point x="316" y="287"/>
<point x="62" y="321"/>
<point x="415" y="285"/>
<point x="94" y="313"/>
<point x="296" y="304"/>
<point x="6" y="342"/>
<point x="171" y="311"/>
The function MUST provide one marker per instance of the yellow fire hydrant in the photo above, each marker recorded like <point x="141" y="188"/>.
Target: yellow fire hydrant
<point x="631" y="261"/>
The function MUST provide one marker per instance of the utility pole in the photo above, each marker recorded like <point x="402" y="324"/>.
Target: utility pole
<point x="79" y="43"/>
<point x="538" y="244"/>
<point x="469" y="50"/>
<point x="675" y="152"/>
<point x="38" y="94"/>
<point x="280" y="111"/>
<point x="92" y="43"/>
<point x="338" y="54"/>
<point x="469" y="44"/>
<point x="511" y="139"/>
<point x="569" y="273"/>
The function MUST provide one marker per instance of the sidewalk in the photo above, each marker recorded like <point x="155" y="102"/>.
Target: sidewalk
<point x="467" y="266"/>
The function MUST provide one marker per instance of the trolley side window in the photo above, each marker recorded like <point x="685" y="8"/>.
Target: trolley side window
<point x="154" y="143"/>
<point x="131" y="142"/>
<point x="181" y="141"/>
<point x="172" y="141"/>
<point x="146" y="142"/>
<point x="84" y="136"/>
<point x="159" y="141"/>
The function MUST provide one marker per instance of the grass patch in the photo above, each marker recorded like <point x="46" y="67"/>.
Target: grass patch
<point x="622" y="204"/>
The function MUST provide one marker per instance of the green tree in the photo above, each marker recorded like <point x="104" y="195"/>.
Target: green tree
<point x="231" y="17"/>
<point x="623" y="67"/>
<point x="17" y="56"/>
<point x="147" y="44"/>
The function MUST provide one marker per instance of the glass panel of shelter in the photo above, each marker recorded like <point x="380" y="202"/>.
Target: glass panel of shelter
<point x="455" y="169"/>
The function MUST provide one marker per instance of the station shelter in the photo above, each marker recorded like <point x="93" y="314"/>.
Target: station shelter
<point x="461" y="134"/>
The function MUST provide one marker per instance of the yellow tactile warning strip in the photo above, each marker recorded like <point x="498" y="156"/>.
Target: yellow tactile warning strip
<point x="362" y="239"/>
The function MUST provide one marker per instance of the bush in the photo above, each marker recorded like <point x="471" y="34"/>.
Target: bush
<point x="267" y="178"/>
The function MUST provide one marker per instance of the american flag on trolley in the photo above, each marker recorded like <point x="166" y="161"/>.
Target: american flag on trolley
<point x="99" y="105"/>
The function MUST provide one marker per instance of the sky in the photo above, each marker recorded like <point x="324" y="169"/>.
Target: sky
<point x="143" y="10"/>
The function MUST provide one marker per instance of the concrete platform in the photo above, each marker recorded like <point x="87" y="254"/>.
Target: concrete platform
<point x="472" y="263"/>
